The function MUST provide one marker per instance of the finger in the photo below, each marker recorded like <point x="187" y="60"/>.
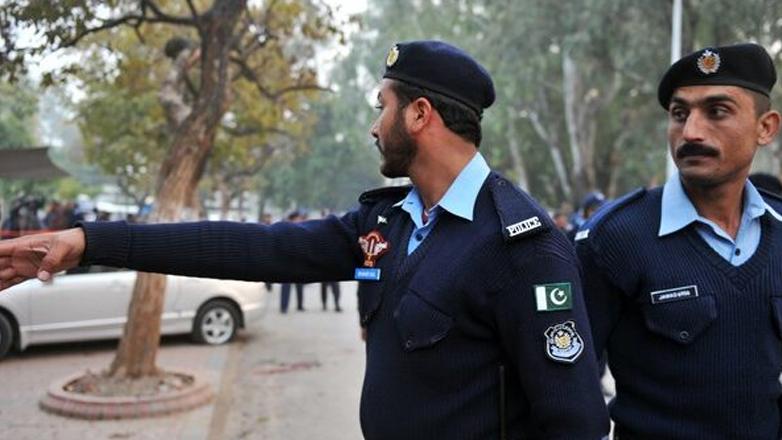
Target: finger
<point x="8" y="273"/>
<point x="44" y="275"/>
<point x="8" y="283"/>
<point x="52" y="261"/>
<point x="64" y="253"/>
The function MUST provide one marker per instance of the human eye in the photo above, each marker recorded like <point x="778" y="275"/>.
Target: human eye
<point x="718" y="111"/>
<point x="678" y="113"/>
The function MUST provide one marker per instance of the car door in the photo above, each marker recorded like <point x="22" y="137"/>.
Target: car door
<point x="81" y="306"/>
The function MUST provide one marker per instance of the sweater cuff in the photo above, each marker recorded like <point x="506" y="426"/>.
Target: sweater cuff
<point x="107" y="243"/>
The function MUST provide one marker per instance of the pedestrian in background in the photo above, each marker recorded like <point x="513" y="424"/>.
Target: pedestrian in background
<point x="285" y="288"/>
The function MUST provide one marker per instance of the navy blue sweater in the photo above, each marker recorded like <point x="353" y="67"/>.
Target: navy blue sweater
<point x="442" y="323"/>
<point x="694" y="343"/>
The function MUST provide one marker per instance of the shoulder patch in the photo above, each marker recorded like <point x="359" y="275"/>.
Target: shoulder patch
<point x="519" y="214"/>
<point x="608" y="210"/>
<point x="375" y="195"/>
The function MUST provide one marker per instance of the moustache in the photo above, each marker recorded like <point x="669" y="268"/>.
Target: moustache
<point x="693" y="149"/>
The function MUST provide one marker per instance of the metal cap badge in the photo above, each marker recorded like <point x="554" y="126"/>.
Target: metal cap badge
<point x="393" y="55"/>
<point x="709" y="62"/>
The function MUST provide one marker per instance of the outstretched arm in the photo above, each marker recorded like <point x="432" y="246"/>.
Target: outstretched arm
<point x="39" y="256"/>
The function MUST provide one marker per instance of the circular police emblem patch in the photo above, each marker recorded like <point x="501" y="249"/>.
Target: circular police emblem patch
<point x="709" y="62"/>
<point x="563" y="343"/>
<point x="393" y="55"/>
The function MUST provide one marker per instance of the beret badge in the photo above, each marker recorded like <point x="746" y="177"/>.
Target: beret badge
<point x="393" y="56"/>
<point x="709" y="62"/>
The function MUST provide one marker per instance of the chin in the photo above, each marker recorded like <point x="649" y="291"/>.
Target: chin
<point x="698" y="179"/>
<point x="393" y="171"/>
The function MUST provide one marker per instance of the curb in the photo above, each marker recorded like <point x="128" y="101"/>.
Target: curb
<point x="60" y="402"/>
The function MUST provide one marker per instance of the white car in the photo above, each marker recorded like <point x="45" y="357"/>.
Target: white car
<point x="94" y="305"/>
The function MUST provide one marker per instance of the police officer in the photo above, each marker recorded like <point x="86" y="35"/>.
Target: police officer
<point x="684" y="282"/>
<point x="475" y="321"/>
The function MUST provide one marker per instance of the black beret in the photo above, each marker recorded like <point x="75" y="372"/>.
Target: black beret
<point x="442" y="68"/>
<point x="744" y="65"/>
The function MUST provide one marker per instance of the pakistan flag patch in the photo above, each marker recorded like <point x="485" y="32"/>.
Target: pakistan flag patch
<point x="551" y="297"/>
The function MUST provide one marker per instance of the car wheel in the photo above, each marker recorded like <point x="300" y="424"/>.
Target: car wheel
<point x="216" y="323"/>
<point x="6" y="335"/>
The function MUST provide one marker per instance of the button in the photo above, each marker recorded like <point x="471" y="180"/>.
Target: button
<point x="737" y="252"/>
<point x="419" y="237"/>
<point x="408" y="343"/>
<point x="501" y="183"/>
<point x="684" y="335"/>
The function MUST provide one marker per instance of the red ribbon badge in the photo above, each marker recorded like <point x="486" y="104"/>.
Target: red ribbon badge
<point x="373" y="245"/>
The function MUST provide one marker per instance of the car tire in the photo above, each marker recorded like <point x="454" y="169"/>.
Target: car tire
<point x="216" y="323"/>
<point x="6" y="335"/>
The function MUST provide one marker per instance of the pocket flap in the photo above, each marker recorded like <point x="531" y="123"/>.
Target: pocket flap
<point x="420" y="324"/>
<point x="681" y="321"/>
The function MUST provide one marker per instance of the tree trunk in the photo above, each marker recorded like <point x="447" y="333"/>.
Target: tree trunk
<point x="141" y="339"/>
<point x="180" y="173"/>
<point x="556" y="154"/>
<point x="515" y="153"/>
<point x="570" y="95"/>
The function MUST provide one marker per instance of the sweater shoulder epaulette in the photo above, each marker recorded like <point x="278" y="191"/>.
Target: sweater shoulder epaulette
<point x="395" y="193"/>
<point x="609" y="210"/>
<point x="520" y="216"/>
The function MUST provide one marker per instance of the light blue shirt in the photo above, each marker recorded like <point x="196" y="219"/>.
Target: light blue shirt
<point x="459" y="200"/>
<point x="678" y="212"/>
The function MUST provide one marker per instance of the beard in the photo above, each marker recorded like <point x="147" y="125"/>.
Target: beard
<point x="398" y="151"/>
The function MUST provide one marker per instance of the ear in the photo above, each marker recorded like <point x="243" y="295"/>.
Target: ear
<point x="420" y="113"/>
<point x="768" y="126"/>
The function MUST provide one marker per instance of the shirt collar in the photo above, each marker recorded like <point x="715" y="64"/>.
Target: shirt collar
<point x="460" y="197"/>
<point x="678" y="211"/>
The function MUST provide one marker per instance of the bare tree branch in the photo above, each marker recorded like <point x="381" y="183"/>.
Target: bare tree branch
<point x="251" y="131"/>
<point x="133" y="20"/>
<point x="168" y="18"/>
<point x="193" y="9"/>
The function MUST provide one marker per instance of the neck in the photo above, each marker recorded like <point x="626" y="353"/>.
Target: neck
<point x="435" y="169"/>
<point x="721" y="204"/>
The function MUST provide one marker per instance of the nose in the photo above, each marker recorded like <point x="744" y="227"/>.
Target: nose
<point x="694" y="127"/>
<point x="373" y="130"/>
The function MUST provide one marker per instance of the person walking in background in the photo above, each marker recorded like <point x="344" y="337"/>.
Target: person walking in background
<point x="684" y="282"/>
<point x="285" y="296"/>
<point x="589" y="206"/>
<point x="324" y="294"/>
<point x="285" y="288"/>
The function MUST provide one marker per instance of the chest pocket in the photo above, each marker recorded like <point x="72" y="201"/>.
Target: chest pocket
<point x="420" y="324"/>
<point x="681" y="321"/>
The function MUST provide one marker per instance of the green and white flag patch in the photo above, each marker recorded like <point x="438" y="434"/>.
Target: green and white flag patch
<point x="555" y="296"/>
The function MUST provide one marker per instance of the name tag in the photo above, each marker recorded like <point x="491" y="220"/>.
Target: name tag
<point x="675" y="294"/>
<point x="367" y="274"/>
